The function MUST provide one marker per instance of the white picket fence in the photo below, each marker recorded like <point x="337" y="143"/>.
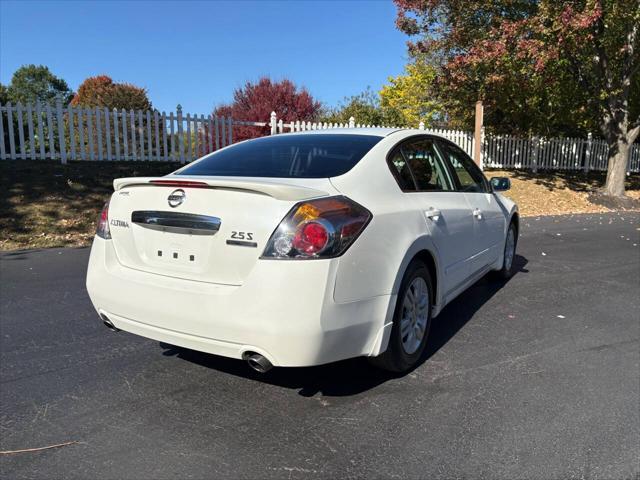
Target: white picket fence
<point x="37" y="132"/>
<point x="505" y="152"/>
<point x="551" y="153"/>
<point x="463" y="139"/>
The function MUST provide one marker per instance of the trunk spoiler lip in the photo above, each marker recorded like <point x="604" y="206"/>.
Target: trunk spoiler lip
<point x="277" y="190"/>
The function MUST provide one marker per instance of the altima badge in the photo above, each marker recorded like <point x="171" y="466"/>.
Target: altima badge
<point x="176" y="198"/>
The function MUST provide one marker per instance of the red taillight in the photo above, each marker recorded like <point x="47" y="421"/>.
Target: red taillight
<point x="311" y="238"/>
<point x="321" y="228"/>
<point x="179" y="183"/>
<point x="102" y="229"/>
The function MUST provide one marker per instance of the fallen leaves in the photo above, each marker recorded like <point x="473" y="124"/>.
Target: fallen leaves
<point x="558" y="193"/>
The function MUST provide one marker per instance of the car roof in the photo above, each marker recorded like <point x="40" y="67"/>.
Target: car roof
<point x="376" y="131"/>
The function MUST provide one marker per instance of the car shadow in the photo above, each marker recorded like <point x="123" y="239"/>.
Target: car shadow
<point x="354" y="376"/>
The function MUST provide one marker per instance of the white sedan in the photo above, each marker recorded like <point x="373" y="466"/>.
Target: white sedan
<point x="302" y="249"/>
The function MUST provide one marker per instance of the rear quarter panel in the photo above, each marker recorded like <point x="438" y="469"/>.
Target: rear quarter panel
<point x="375" y="262"/>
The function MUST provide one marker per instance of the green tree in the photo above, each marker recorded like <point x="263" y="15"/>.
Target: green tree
<point x="4" y="94"/>
<point x="540" y="66"/>
<point x="411" y="96"/>
<point x="36" y="82"/>
<point x="365" y="108"/>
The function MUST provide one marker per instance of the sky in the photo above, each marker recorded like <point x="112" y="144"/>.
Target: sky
<point x="195" y="53"/>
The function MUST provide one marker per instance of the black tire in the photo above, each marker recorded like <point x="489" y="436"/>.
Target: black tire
<point x="507" y="271"/>
<point x="395" y="358"/>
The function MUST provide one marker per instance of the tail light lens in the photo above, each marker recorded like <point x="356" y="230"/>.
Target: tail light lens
<point x="103" y="223"/>
<point x="322" y="228"/>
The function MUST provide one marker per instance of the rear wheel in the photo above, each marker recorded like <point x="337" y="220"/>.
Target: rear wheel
<point x="510" y="243"/>
<point x="411" y="321"/>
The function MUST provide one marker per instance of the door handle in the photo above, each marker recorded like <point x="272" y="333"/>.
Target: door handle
<point x="178" y="222"/>
<point x="477" y="213"/>
<point x="433" y="214"/>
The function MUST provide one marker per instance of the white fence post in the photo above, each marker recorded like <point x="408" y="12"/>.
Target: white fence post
<point x="180" y="139"/>
<point x="421" y="126"/>
<point x="107" y="132"/>
<point x="52" y="146"/>
<point x="40" y="129"/>
<point x="165" y="151"/>
<point x="90" y="135"/>
<point x="273" y="121"/>
<point x="149" y="137"/>
<point x="23" y="150"/>
<point x="2" y="145"/>
<point x="81" y="144"/>
<point x="98" y="135"/>
<point x="60" y="117"/>
<point x="12" y="141"/>
<point x="141" y="134"/>
<point x="32" y="140"/>
<point x="189" y="147"/>
<point x="223" y="132"/>
<point x="352" y="122"/>
<point x="587" y="155"/>
<point x="534" y="156"/>
<point x="72" y="136"/>
<point x="216" y="128"/>
<point x="116" y="134"/>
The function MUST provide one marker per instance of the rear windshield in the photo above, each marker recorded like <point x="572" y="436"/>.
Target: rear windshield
<point x="287" y="156"/>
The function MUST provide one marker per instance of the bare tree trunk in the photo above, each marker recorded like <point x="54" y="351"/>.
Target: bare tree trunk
<point x="620" y="138"/>
<point x="617" y="167"/>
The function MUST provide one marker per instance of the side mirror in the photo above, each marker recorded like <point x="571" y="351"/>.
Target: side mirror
<point x="500" y="184"/>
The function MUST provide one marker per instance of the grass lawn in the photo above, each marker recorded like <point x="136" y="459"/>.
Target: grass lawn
<point x="54" y="205"/>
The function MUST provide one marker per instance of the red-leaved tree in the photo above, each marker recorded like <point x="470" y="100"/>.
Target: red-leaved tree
<point x="254" y="102"/>
<point x="544" y="66"/>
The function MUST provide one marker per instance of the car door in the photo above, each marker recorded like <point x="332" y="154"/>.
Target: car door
<point x="487" y="214"/>
<point x="427" y="182"/>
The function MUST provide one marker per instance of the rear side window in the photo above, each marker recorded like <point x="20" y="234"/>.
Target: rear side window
<point x="401" y="171"/>
<point x="417" y="167"/>
<point x="287" y="156"/>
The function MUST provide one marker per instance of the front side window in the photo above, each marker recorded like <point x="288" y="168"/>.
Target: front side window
<point x="467" y="175"/>
<point x="287" y="156"/>
<point x="417" y="167"/>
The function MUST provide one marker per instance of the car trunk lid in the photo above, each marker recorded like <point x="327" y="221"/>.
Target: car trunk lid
<point x="210" y="229"/>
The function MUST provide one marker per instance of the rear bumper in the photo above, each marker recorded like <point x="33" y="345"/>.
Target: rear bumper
<point x="284" y="310"/>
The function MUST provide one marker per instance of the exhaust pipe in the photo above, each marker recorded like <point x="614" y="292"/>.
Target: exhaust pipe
<point x="258" y="362"/>
<point x="107" y="323"/>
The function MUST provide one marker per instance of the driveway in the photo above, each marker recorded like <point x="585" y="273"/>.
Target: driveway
<point x="535" y="378"/>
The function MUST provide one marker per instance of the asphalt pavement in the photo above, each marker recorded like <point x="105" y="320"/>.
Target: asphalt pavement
<point x="538" y="377"/>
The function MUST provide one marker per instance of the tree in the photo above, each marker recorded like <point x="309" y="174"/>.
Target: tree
<point x="255" y="102"/>
<point x="365" y="108"/>
<point x="539" y="65"/>
<point x="4" y="99"/>
<point x="36" y="82"/>
<point x="102" y="91"/>
<point x="411" y="96"/>
<point x="4" y="94"/>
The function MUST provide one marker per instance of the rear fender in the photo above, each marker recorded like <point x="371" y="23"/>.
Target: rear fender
<point x="423" y="243"/>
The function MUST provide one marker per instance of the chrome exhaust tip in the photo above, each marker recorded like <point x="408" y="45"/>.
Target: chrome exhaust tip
<point x="258" y="362"/>
<point x="107" y="323"/>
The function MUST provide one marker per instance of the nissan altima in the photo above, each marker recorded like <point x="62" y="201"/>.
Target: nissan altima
<point x="302" y="249"/>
